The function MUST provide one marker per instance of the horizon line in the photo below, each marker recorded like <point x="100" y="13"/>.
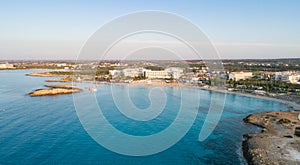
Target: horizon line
<point x="232" y="59"/>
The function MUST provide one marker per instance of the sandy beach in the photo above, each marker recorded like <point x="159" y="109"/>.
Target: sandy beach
<point x="293" y="104"/>
<point x="276" y="144"/>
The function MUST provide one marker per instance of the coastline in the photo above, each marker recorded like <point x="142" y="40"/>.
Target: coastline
<point x="277" y="143"/>
<point x="46" y="74"/>
<point x="293" y="105"/>
<point x="258" y="148"/>
<point x="253" y="147"/>
<point x="31" y="69"/>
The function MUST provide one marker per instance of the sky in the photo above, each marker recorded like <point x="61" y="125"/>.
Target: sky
<point x="239" y="29"/>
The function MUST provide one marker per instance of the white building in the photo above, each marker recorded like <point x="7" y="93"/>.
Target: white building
<point x="240" y="75"/>
<point x="283" y="76"/>
<point x="294" y="79"/>
<point x="61" y="64"/>
<point x="155" y="74"/>
<point x="128" y="72"/>
<point x="260" y="92"/>
<point x="7" y="66"/>
<point x="174" y="72"/>
<point x="132" y="72"/>
<point x="115" y="73"/>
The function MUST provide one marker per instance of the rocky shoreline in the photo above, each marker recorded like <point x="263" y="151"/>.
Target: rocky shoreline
<point x="278" y="142"/>
<point x="55" y="90"/>
<point x="293" y="101"/>
<point x="64" y="79"/>
<point x="47" y="74"/>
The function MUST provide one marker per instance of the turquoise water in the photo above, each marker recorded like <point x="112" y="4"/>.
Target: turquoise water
<point x="47" y="129"/>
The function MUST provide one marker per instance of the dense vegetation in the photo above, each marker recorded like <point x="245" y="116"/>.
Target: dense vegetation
<point x="267" y="85"/>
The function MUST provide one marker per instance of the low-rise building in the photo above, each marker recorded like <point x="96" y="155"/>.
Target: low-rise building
<point x="7" y="66"/>
<point x="174" y="72"/>
<point x="155" y="74"/>
<point x="132" y="72"/>
<point x="260" y="92"/>
<point x="294" y="79"/>
<point x="115" y="73"/>
<point x="283" y="76"/>
<point x="128" y="72"/>
<point x="240" y="75"/>
<point x="61" y="64"/>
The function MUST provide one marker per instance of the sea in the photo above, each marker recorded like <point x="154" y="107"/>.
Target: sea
<point x="50" y="130"/>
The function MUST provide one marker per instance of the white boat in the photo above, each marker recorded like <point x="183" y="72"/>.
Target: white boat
<point x="299" y="116"/>
<point x="92" y="89"/>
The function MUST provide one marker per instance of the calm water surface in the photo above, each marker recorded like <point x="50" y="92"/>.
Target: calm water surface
<point x="47" y="129"/>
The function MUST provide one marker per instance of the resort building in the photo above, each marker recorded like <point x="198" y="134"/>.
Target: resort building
<point x="155" y="74"/>
<point x="174" y="72"/>
<point x="132" y="72"/>
<point x="7" y="66"/>
<point x="240" y="75"/>
<point x="61" y="64"/>
<point x="115" y="73"/>
<point x="128" y="72"/>
<point x="284" y="76"/>
<point x="294" y="79"/>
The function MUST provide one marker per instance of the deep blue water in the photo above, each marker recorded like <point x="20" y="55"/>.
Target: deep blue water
<point x="47" y="129"/>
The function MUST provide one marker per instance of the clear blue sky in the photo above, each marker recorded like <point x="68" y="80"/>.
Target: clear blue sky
<point x="240" y="29"/>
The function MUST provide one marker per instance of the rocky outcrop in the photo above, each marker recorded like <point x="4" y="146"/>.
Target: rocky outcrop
<point x="65" y="79"/>
<point x="50" y="74"/>
<point x="55" y="90"/>
<point x="276" y="144"/>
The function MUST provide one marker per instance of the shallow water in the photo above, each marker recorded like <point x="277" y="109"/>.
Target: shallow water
<point x="47" y="129"/>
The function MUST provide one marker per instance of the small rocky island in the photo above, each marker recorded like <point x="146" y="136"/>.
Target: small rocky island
<point x="51" y="74"/>
<point x="55" y="90"/>
<point x="64" y="79"/>
<point x="279" y="141"/>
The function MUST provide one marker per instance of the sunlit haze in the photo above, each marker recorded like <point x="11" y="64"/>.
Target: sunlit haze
<point x="56" y="30"/>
